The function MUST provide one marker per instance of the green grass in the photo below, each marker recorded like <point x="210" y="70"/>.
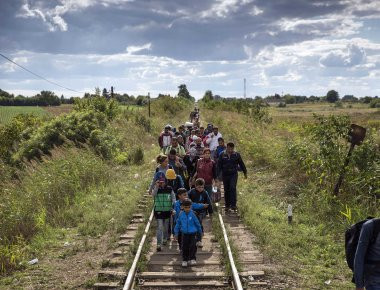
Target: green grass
<point x="8" y="112"/>
<point x="311" y="251"/>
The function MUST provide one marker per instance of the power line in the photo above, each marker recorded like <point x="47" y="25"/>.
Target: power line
<point x="37" y="75"/>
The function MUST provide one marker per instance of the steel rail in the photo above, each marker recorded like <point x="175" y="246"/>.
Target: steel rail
<point x="132" y="271"/>
<point x="235" y="274"/>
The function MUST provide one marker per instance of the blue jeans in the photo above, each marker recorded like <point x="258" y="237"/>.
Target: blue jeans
<point x="162" y="230"/>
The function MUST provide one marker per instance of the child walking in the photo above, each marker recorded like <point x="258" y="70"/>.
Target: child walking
<point x="200" y="195"/>
<point x="182" y="196"/>
<point x="164" y="199"/>
<point x="188" y="224"/>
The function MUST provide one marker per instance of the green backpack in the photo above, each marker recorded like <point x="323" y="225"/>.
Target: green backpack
<point x="163" y="200"/>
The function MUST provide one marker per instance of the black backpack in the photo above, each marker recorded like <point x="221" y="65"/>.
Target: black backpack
<point x="352" y="239"/>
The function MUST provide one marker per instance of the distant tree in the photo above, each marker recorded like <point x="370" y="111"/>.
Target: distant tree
<point x="332" y="96"/>
<point x="184" y="93"/>
<point x="314" y="99"/>
<point x="289" y="99"/>
<point x="349" y="98"/>
<point x="6" y="94"/>
<point x="366" y="100"/>
<point x="47" y="98"/>
<point x="141" y="100"/>
<point x="105" y="93"/>
<point x="97" y="91"/>
<point x="208" y="96"/>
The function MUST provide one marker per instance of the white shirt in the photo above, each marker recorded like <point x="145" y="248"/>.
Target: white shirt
<point x="212" y="140"/>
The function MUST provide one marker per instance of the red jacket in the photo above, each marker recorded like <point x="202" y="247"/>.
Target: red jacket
<point x="206" y="169"/>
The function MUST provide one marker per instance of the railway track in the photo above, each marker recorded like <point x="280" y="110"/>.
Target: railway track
<point x="164" y="271"/>
<point x="216" y="263"/>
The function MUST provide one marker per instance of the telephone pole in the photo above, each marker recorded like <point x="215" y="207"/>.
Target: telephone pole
<point x="149" y="105"/>
<point x="245" y="88"/>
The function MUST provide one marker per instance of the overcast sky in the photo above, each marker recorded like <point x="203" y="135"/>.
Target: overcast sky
<point x="304" y="47"/>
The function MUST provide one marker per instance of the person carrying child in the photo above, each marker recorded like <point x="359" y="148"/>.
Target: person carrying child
<point x="182" y="195"/>
<point x="189" y="226"/>
<point x="199" y="195"/>
<point x="164" y="199"/>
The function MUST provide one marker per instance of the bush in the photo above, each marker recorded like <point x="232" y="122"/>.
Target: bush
<point x="11" y="134"/>
<point x="375" y="103"/>
<point x="321" y="154"/>
<point x="98" y="104"/>
<point x="41" y="194"/>
<point x="169" y="106"/>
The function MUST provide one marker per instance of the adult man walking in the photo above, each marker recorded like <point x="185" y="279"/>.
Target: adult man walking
<point x="228" y="165"/>
<point x="367" y="257"/>
<point x="212" y="140"/>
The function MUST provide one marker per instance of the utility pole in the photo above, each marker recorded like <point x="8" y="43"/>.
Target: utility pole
<point x="111" y="92"/>
<point x="245" y="88"/>
<point x="149" y="105"/>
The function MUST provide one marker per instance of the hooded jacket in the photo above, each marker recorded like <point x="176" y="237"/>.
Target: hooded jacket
<point x="187" y="223"/>
<point x="178" y="210"/>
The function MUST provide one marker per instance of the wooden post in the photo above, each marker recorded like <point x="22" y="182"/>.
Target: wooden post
<point x="149" y="105"/>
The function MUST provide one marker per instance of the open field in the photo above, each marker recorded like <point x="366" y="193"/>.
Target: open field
<point x="59" y="110"/>
<point x="305" y="111"/>
<point x="7" y="113"/>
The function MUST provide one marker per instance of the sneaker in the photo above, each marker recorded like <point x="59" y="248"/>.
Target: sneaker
<point x="199" y="244"/>
<point x="164" y="242"/>
<point x="184" y="264"/>
<point x="158" y="248"/>
<point x="193" y="263"/>
<point x="234" y="209"/>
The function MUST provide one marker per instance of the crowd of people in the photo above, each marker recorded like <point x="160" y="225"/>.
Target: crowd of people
<point x="193" y="162"/>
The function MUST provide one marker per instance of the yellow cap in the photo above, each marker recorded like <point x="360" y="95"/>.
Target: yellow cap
<point x="170" y="174"/>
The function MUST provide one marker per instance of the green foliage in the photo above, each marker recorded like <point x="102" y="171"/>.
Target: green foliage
<point x="98" y="104"/>
<point x="41" y="194"/>
<point x="256" y="109"/>
<point x="322" y="151"/>
<point x="375" y="103"/>
<point x="45" y="98"/>
<point x="169" y="106"/>
<point x="332" y="96"/>
<point x="11" y="134"/>
<point x="88" y="122"/>
<point x="184" y="93"/>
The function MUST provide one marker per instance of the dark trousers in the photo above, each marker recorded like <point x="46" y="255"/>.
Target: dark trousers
<point x="200" y="217"/>
<point x="229" y="183"/>
<point x="180" y="240"/>
<point x="189" y="248"/>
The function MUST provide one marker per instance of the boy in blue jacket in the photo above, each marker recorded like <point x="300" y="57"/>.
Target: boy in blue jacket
<point x="200" y="195"/>
<point x="182" y="195"/>
<point x="188" y="224"/>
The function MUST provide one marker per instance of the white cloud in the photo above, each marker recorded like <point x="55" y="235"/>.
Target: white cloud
<point x="337" y="25"/>
<point x="134" y="48"/>
<point x="354" y="55"/>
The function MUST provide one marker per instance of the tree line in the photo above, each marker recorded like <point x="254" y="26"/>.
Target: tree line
<point x="332" y="96"/>
<point x="48" y="98"/>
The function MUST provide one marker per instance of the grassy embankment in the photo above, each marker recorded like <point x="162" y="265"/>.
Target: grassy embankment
<point x="75" y="192"/>
<point x="311" y="250"/>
